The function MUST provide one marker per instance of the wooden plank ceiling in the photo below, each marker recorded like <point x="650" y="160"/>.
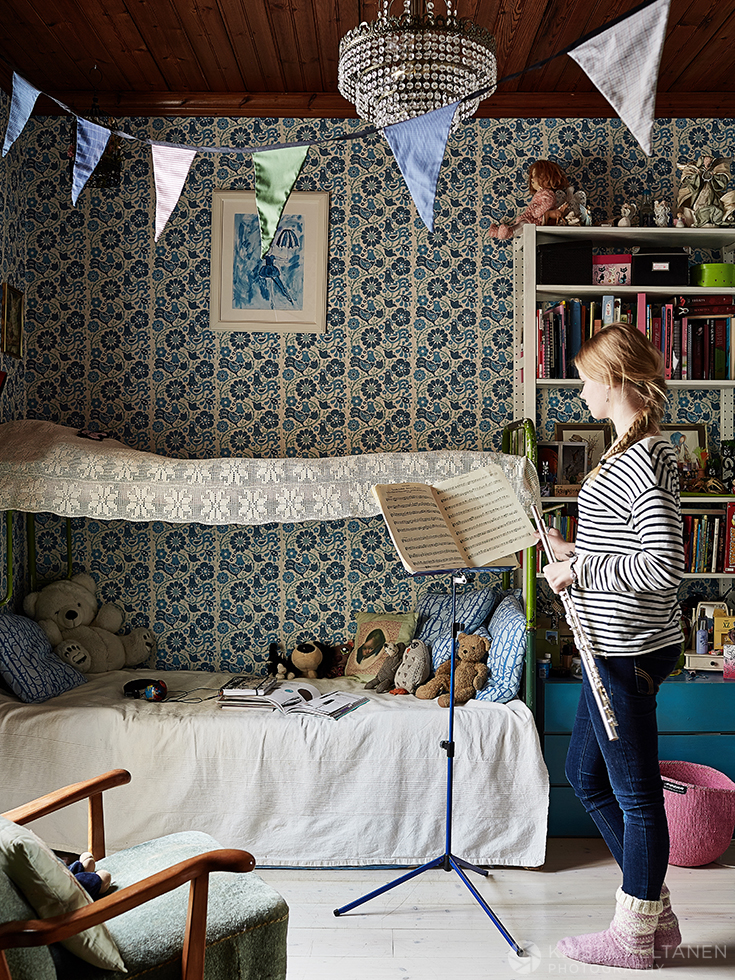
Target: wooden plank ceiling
<point x="279" y="57"/>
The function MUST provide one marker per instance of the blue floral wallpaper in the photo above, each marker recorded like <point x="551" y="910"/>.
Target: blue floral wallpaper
<point x="417" y="354"/>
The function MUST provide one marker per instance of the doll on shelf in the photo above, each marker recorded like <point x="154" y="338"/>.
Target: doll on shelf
<point x="545" y="179"/>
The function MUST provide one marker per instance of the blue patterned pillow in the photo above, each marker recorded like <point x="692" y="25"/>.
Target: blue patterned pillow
<point x="28" y="665"/>
<point x="507" y="652"/>
<point x="435" y="618"/>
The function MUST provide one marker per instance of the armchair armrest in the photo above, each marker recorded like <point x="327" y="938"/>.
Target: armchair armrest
<point x="42" y="932"/>
<point x="88" y="789"/>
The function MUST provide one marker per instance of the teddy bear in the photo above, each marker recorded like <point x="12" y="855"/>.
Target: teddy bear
<point x="414" y="668"/>
<point x="470" y="672"/>
<point x="384" y="679"/>
<point x="308" y="659"/>
<point x="83" y="633"/>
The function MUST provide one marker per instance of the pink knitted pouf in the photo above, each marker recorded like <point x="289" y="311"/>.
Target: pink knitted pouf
<point x="700" y="808"/>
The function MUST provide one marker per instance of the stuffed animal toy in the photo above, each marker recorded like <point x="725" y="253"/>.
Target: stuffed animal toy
<point x="83" y="633"/>
<point x="383" y="680"/>
<point x="96" y="883"/>
<point x="308" y="659"/>
<point x="470" y="672"/>
<point x="414" y="668"/>
<point x="547" y="207"/>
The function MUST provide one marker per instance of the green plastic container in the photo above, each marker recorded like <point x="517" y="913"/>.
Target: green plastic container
<point x="713" y="275"/>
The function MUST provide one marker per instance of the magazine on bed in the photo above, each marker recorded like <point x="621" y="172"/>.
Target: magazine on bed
<point x="298" y="696"/>
<point x="247" y="685"/>
<point x="469" y="521"/>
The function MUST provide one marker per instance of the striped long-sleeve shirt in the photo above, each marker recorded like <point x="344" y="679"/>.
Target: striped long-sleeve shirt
<point x="631" y="552"/>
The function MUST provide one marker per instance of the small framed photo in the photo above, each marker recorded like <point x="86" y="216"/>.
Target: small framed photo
<point x="284" y="291"/>
<point x="12" y="327"/>
<point x="686" y="438"/>
<point x="572" y="463"/>
<point x="597" y="436"/>
<point x="562" y="467"/>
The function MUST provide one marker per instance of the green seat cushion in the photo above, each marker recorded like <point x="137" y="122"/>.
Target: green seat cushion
<point x="247" y="920"/>
<point x="24" y="964"/>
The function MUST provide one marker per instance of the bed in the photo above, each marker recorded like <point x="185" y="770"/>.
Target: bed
<point x="369" y="789"/>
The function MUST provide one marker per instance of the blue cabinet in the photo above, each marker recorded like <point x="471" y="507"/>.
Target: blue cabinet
<point x="696" y="719"/>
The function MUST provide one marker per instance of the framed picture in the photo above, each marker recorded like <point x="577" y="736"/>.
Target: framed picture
<point x="597" y="436"/>
<point x="686" y="438"/>
<point x="12" y="331"/>
<point x="572" y="463"/>
<point x="285" y="292"/>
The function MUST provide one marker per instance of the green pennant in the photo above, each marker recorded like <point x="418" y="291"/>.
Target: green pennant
<point x="275" y="174"/>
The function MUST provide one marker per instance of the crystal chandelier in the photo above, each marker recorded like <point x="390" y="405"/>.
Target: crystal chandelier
<point x="400" y="67"/>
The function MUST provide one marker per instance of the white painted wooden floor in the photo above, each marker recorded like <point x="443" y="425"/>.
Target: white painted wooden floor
<point x="432" y="928"/>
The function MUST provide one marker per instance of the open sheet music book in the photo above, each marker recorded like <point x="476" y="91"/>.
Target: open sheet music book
<point x="469" y="521"/>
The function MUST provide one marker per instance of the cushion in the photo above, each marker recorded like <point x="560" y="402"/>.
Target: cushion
<point x="374" y="630"/>
<point x="26" y="963"/>
<point x="51" y="889"/>
<point x="507" y="630"/>
<point x="435" y="618"/>
<point x="28" y="664"/>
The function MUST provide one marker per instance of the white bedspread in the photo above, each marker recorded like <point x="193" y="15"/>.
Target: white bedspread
<point x="48" y="468"/>
<point x="296" y="790"/>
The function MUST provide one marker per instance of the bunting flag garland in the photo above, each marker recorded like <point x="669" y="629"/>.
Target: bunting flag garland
<point x="171" y="167"/>
<point x="418" y="145"/>
<point x="21" y="106"/>
<point x="623" y="61"/>
<point x="91" y="142"/>
<point x="275" y="174"/>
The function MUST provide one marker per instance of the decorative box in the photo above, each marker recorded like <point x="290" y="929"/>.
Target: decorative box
<point x="713" y="275"/>
<point x="728" y="666"/>
<point x="564" y="264"/>
<point x="660" y="269"/>
<point x="612" y="270"/>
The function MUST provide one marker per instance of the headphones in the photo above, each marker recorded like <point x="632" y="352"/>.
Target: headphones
<point x="148" y="689"/>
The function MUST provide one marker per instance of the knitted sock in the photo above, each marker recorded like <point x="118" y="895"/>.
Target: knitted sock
<point x="627" y="943"/>
<point x="667" y="938"/>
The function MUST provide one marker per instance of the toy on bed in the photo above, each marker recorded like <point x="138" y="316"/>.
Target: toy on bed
<point x="414" y="668"/>
<point x="312" y="658"/>
<point x="96" y="883"/>
<point x="83" y="633"/>
<point x="384" y="679"/>
<point x="545" y="179"/>
<point x="470" y="672"/>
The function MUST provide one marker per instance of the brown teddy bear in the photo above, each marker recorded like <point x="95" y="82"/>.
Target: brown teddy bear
<point x="470" y="672"/>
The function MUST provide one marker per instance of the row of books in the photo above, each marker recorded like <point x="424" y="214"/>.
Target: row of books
<point x="709" y="539"/>
<point x="694" y="334"/>
<point x="566" y="524"/>
<point x="244" y="691"/>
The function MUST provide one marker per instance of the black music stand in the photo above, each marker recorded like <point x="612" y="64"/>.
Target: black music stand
<point x="447" y="860"/>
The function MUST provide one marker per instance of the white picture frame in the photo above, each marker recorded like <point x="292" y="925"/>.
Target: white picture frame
<point x="285" y="292"/>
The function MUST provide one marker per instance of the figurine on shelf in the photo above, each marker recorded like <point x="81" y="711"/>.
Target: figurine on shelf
<point x="661" y="214"/>
<point x="544" y="180"/>
<point x="703" y="201"/>
<point x="578" y="210"/>
<point x="628" y="211"/>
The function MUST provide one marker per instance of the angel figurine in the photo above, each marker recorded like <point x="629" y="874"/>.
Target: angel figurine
<point x="661" y="214"/>
<point x="628" y="211"/>
<point x="545" y="179"/>
<point x="702" y="199"/>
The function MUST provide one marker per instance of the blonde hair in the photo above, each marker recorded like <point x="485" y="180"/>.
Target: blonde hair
<point x="621" y="356"/>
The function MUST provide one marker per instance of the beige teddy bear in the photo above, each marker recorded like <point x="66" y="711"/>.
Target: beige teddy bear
<point x="470" y="672"/>
<point x="83" y="633"/>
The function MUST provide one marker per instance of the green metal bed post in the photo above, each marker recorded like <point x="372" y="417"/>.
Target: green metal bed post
<point x="8" y="557"/>
<point x="519" y="438"/>
<point x="31" y="539"/>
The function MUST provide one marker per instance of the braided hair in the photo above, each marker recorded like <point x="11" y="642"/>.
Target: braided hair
<point x="621" y="356"/>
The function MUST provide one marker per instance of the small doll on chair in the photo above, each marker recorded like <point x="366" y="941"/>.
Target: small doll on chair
<point x="545" y="179"/>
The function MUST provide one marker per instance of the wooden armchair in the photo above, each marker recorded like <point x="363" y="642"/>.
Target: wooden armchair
<point x="266" y="906"/>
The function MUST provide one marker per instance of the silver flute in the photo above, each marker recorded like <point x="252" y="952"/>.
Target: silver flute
<point x="583" y="645"/>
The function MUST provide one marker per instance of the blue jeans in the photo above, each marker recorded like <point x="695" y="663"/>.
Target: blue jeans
<point x="619" y="783"/>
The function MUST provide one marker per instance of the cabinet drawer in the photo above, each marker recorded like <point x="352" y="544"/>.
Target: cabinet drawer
<point x="567" y="816"/>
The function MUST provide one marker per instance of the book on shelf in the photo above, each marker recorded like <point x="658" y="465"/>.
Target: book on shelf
<point x="469" y="521"/>
<point x="247" y="685"/>
<point x="728" y="561"/>
<point x="706" y="538"/>
<point x="295" y="696"/>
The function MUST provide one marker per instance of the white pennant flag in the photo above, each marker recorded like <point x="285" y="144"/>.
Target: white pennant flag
<point x="623" y="62"/>
<point x="170" y="169"/>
